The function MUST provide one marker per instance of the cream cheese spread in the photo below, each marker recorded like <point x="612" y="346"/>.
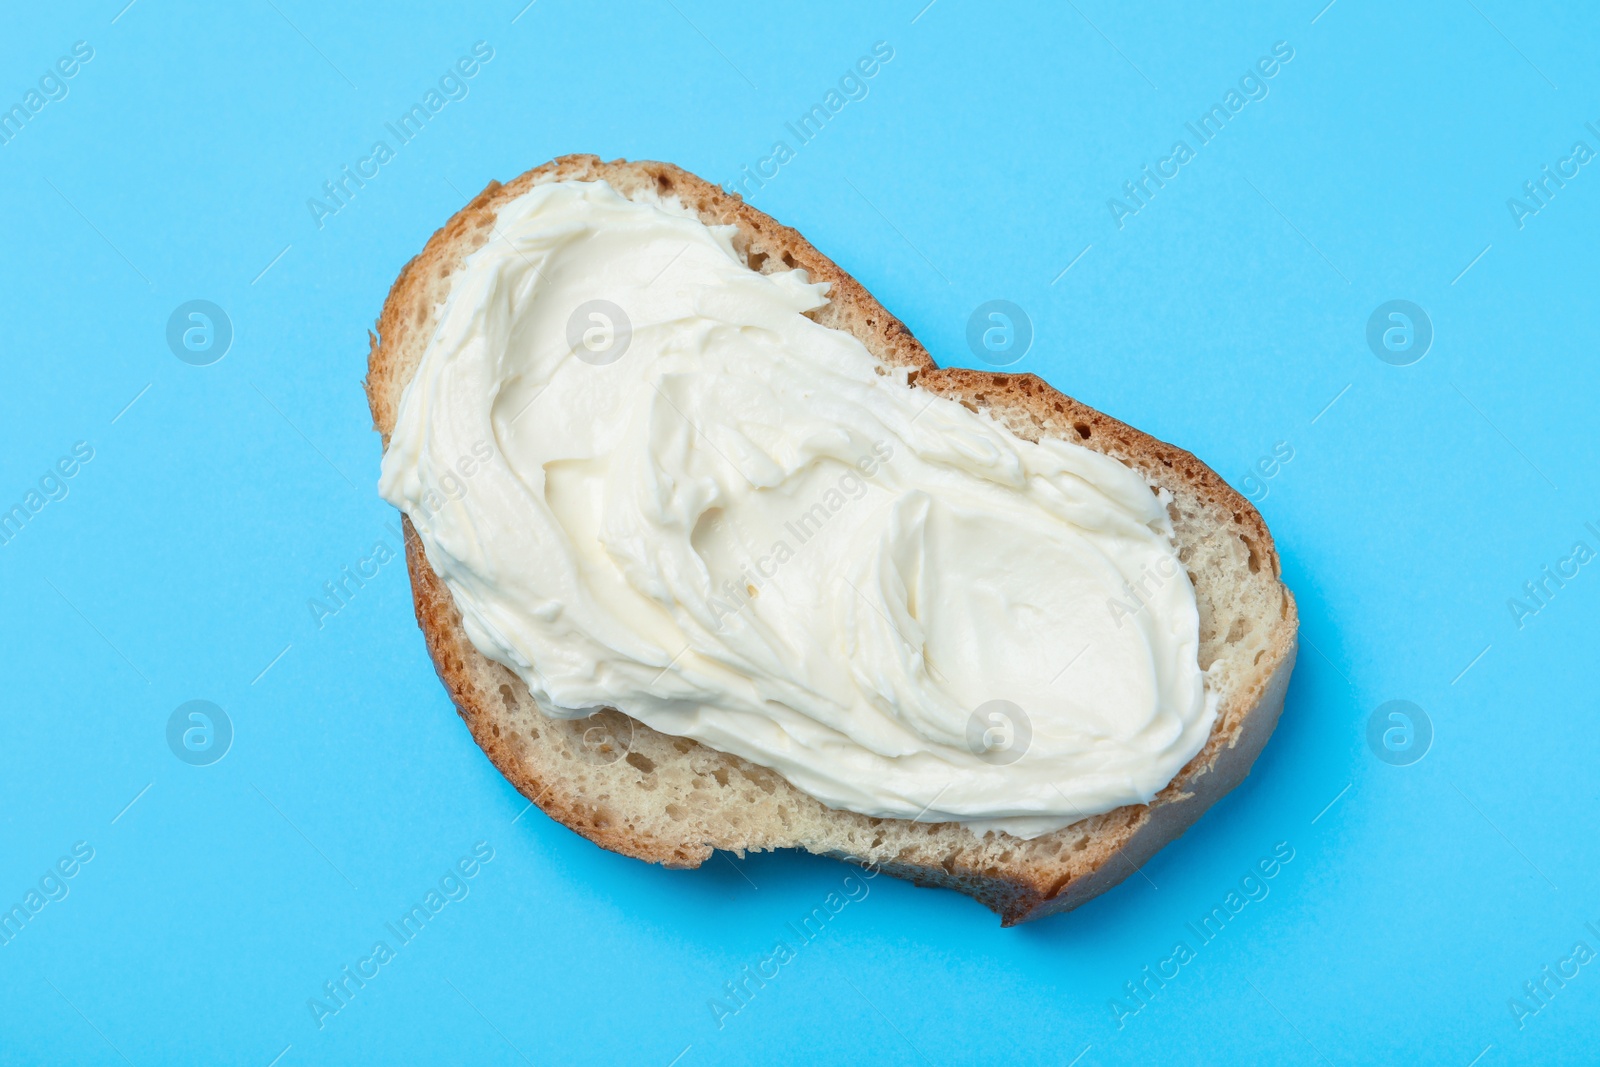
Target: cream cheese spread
<point x="652" y="483"/>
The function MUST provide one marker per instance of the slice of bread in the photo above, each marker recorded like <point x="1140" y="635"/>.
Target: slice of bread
<point x="673" y="801"/>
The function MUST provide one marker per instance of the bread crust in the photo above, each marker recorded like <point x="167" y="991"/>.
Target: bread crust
<point x="1019" y="880"/>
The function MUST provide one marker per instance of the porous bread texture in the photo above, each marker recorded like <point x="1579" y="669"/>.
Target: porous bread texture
<point x="672" y="800"/>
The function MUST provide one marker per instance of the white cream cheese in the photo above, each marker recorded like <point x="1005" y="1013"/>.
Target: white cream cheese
<point x="652" y="483"/>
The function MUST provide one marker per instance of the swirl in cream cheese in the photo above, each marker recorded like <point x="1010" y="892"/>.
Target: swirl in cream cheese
<point x="707" y="510"/>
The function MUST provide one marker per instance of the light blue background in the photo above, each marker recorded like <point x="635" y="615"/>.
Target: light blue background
<point x="1225" y="316"/>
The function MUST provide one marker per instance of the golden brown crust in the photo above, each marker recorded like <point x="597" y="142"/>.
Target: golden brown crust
<point x="1037" y="881"/>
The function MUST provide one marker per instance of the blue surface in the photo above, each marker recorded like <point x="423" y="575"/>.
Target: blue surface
<point x="1228" y="314"/>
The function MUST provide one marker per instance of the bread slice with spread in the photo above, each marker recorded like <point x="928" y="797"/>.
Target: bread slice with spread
<point x="674" y="801"/>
